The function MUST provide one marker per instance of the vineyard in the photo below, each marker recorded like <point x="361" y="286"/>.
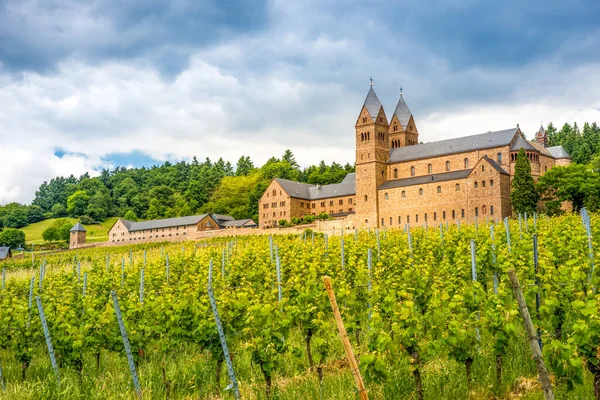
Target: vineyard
<point x="430" y="313"/>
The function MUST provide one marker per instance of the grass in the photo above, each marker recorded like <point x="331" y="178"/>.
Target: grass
<point x="189" y="373"/>
<point x="95" y="233"/>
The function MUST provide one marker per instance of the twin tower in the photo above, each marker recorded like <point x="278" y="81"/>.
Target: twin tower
<point x="375" y="137"/>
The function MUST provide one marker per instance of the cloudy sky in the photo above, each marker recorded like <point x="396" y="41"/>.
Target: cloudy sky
<point x="86" y="85"/>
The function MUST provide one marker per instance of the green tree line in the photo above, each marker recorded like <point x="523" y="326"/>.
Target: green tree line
<point x="167" y="190"/>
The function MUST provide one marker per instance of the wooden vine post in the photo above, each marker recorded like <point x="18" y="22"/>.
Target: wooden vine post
<point x="360" y="386"/>
<point x="531" y="334"/>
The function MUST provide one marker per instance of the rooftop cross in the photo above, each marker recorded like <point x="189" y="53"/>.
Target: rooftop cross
<point x="400" y="90"/>
<point x="371" y="80"/>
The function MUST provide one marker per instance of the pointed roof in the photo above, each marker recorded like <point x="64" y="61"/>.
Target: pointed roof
<point x="402" y="112"/>
<point x="542" y="131"/>
<point x="522" y="143"/>
<point x="372" y="103"/>
<point x="78" y="228"/>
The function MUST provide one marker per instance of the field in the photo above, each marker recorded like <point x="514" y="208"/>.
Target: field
<point x="95" y="232"/>
<point x="429" y="312"/>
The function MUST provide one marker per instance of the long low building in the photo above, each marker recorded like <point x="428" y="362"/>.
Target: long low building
<point x="167" y="229"/>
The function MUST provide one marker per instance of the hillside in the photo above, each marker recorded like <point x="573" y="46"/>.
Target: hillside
<point x="95" y="232"/>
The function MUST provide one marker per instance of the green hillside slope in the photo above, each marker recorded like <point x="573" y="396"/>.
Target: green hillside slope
<point x="95" y="233"/>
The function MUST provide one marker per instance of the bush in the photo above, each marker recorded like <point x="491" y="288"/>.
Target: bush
<point x="12" y="238"/>
<point x="283" y="223"/>
<point x="307" y="219"/>
<point x="323" y="216"/>
<point x="58" y="231"/>
<point x="296" y="221"/>
<point x="87" y="220"/>
<point x="130" y="216"/>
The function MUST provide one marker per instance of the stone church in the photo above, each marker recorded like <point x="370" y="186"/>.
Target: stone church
<point x="400" y="181"/>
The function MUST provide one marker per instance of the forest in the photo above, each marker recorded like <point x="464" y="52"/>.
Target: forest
<point x="167" y="190"/>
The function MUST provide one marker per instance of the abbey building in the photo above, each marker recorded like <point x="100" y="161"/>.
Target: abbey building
<point x="400" y="181"/>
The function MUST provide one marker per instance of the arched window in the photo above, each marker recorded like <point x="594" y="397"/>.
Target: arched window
<point x="482" y="168"/>
<point x="396" y="173"/>
<point x="274" y="192"/>
<point x="476" y="212"/>
<point x="421" y="192"/>
<point x="429" y="168"/>
<point x="484" y="210"/>
<point x="395" y="128"/>
<point x="482" y="183"/>
<point x="499" y="157"/>
<point x="457" y="187"/>
<point x="492" y="210"/>
<point x="387" y="196"/>
<point x="403" y="194"/>
<point x="491" y="182"/>
<point x="447" y="165"/>
<point x="476" y="185"/>
<point x="366" y="197"/>
<point x="439" y="189"/>
<point x="412" y="171"/>
<point x="466" y="163"/>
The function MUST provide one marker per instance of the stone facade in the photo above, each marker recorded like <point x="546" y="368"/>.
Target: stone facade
<point x="465" y="179"/>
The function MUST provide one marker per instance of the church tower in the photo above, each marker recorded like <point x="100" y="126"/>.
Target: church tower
<point x="372" y="155"/>
<point x="542" y="137"/>
<point x="403" y="130"/>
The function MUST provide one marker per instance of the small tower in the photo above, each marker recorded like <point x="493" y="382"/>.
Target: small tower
<point x="542" y="137"/>
<point x="77" y="236"/>
<point x="372" y="155"/>
<point x="403" y="130"/>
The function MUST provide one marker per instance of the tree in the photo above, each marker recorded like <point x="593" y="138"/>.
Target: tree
<point x="575" y="183"/>
<point x="77" y="203"/>
<point x="59" y="210"/>
<point x="130" y="216"/>
<point x="58" y="231"/>
<point x="244" y="166"/>
<point x="34" y="214"/>
<point x="12" y="237"/>
<point x="289" y="157"/>
<point x="524" y="196"/>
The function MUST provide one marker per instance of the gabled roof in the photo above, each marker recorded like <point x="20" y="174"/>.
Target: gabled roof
<point x="522" y="143"/>
<point x="452" y="146"/>
<point x="77" y="228"/>
<point x="315" y="192"/>
<point x="495" y="165"/>
<point x="402" y="112"/>
<point x="558" y="152"/>
<point x="541" y="148"/>
<point x="422" y="180"/>
<point x="5" y="253"/>
<point x="372" y="103"/>
<point x="239" y="222"/>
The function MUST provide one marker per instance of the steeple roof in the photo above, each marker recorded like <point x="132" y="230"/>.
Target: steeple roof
<point x="372" y="103"/>
<point x="402" y="112"/>
<point x="77" y="228"/>
<point x="542" y="130"/>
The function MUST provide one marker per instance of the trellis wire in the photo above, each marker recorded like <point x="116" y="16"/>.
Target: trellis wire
<point x="520" y="226"/>
<point x="47" y="337"/>
<point x="507" y="229"/>
<point x="134" y="376"/>
<point x="213" y="304"/>
<point x="2" y="378"/>
<point x="378" y="246"/>
<point x="78" y="271"/>
<point x="474" y="277"/>
<point x="142" y="285"/>
<point x="537" y="283"/>
<point x="494" y="258"/>
<point x="526" y="217"/>
<point x="278" y="272"/>
<point x="167" y="267"/>
<point x="3" y="277"/>
<point x="107" y="262"/>
<point x="85" y="279"/>
<point x="342" y="244"/>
